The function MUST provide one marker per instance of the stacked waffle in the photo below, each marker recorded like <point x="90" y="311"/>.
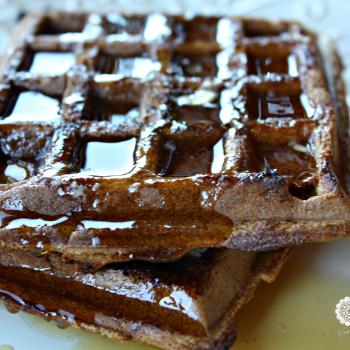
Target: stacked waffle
<point x="148" y="161"/>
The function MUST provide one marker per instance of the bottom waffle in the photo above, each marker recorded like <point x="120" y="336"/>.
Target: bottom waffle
<point x="188" y="304"/>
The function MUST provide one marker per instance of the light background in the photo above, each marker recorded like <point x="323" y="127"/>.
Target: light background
<point x="297" y="311"/>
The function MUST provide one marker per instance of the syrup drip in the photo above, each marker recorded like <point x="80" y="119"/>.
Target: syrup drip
<point x="296" y="162"/>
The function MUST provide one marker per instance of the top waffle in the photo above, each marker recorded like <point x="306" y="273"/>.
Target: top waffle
<point x="142" y="137"/>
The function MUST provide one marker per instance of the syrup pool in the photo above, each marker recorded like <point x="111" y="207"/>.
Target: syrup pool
<point x="295" y="312"/>
<point x="109" y="158"/>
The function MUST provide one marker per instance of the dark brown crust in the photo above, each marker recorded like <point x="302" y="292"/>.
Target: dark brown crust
<point x="248" y="272"/>
<point x="240" y="207"/>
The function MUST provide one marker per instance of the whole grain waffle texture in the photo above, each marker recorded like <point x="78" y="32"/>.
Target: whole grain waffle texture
<point x="188" y="304"/>
<point x="143" y="137"/>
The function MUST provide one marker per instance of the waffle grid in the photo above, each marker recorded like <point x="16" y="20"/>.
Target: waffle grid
<point x="246" y="148"/>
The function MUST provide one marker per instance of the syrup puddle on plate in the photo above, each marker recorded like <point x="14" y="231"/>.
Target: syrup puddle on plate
<point x="295" y="312"/>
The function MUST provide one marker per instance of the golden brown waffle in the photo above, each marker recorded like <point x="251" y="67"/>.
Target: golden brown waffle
<point x="188" y="304"/>
<point x="167" y="134"/>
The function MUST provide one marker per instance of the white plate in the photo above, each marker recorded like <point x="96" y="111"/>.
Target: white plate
<point x="295" y="312"/>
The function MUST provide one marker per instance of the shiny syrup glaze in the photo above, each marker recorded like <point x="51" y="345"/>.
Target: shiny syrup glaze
<point x="275" y="104"/>
<point x="267" y="63"/>
<point x="189" y="158"/>
<point x="164" y="295"/>
<point x="296" y="162"/>
<point x="108" y="232"/>
<point x="177" y="159"/>
<point x="50" y="26"/>
<point x="200" y="29"/>
<point x="256" y="29"/>
<point x="100" y="109"/>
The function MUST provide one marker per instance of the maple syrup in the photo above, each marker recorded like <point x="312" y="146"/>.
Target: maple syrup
<point x="275" y="104"/>
<point x="263" y="64"/>
<point x="109" y="158"/>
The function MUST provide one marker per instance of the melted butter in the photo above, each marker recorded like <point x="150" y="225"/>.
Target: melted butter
<point x="109" y="158"/>
<point x="52" y="63"/>
<point x="33" y="107"/>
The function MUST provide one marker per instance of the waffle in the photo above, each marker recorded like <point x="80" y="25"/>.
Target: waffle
<point x="188" y="304"/>
<point x="149" y="136"/>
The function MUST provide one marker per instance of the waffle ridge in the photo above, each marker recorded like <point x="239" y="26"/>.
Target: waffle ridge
<point x="234" y="127"/>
